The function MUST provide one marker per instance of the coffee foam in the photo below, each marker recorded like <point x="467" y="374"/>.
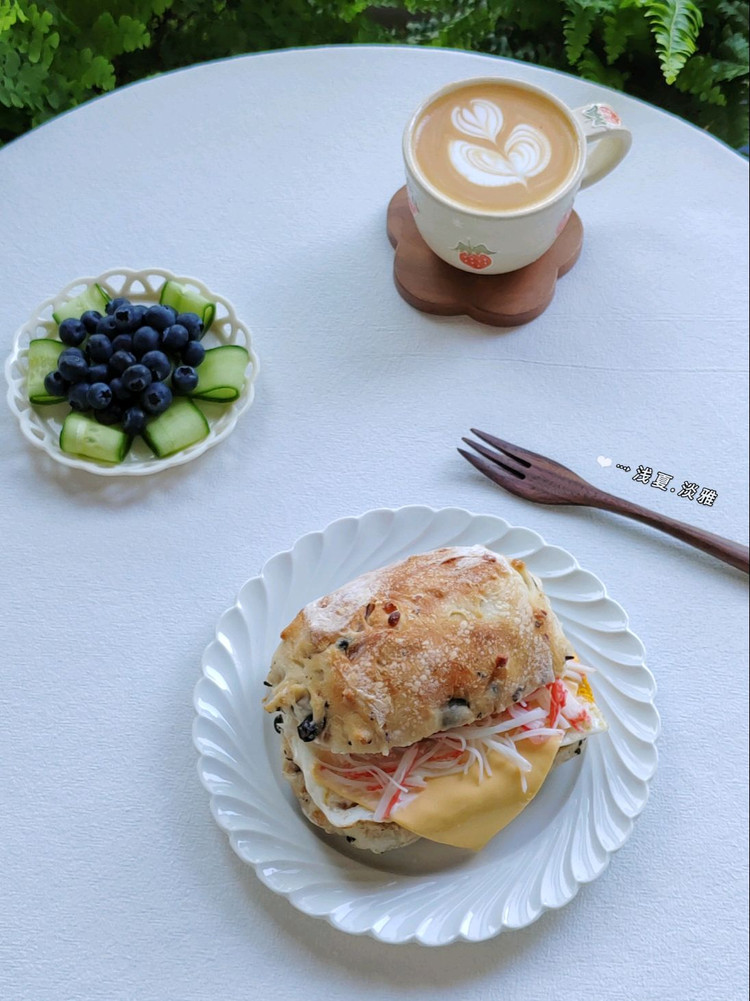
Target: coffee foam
<point x="495" y="146"/>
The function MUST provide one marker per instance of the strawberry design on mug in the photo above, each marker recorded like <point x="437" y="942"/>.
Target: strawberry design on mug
<point x="477" y="257"/>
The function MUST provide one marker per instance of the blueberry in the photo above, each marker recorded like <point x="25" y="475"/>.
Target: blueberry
<point x="55" y="385"/>
<point x="156" y="398"/>
<point x="99" y="373"/>
<point x="160" y="317"/>
<point x="111" y="415"/>
<point x="133" y="421"/>
<point x="118" y="389"/>
<point x="107" y="325"/>
<point x="136" y="378"/>
<point x="100" y="348"/>
<point x="184" y="379"/>
<point x="193" y="354"/>
<point x="192" y="323"/>
<point x="114" y="304"/>
<point x="123" y="342"/>
<point x="72" y="332"/>
<point x="174" y="338"/>
<point x="72" y="365"/>
<point x="124" y="318"/>
<point x="145" y="339"/>
<point x="90" y="319"/>
<point x="158" y="364"/>
<point x="100" y="396"/>
<point x="139" y="313"/>
<point x="78" y="396"/>
<point x="121" y="360"/>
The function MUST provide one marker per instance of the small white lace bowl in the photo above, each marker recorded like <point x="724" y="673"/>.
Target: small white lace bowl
<point x="426" y="893"/>
<point x="41" y="425"/>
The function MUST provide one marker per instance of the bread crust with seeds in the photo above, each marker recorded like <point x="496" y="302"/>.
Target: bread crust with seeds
<point x="401" y="653"/>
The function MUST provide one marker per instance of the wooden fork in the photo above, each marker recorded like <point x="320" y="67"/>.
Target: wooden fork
<point x="540" y="479"/>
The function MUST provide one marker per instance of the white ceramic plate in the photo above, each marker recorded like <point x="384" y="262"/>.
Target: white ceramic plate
<point x="41" y="425"/>
<point x="425" y="892"/>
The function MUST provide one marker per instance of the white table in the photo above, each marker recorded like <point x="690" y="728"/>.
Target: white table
<point x="268" y="177"/>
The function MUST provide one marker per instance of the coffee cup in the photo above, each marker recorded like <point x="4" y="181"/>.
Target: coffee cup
<point x="493" y="167"/>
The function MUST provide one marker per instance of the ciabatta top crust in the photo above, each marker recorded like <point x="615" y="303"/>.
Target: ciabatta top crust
<point x="436" y="641"/>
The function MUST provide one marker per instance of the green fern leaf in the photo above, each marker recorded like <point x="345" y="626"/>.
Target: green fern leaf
<point x="615" y="38"/>
<point x="99" y="72"/>
<point x="578" y="23"/>
<point x="735" y="48"/>
<point x="625" y="31"/>
<point x="675" y="25"/>
<point x="133" y="34"/>
<point x="699" y="77"/>
<point x="10" y="12"/>
<point x="735" y="12"/>
<point x="591" y="67"/>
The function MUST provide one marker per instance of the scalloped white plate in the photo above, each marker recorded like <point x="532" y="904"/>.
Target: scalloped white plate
<point x="41" y="425"/>
<point x="425" y="892"/>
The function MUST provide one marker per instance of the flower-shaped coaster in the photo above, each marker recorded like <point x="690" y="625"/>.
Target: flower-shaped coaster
<point x="428" y="283"/>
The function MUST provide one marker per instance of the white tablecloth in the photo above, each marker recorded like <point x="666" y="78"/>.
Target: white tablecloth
<point x="268" y="177"/>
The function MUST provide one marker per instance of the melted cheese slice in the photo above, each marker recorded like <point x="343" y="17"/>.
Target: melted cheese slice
<point x="458" y="809"/>
<point x="461" y="810"/>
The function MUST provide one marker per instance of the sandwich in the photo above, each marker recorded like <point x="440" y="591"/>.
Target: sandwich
<point x="429" y="699"/>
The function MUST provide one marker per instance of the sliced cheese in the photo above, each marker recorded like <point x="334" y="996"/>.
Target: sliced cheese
<point x="463" y="811"/>
<point x="460" y="809"/>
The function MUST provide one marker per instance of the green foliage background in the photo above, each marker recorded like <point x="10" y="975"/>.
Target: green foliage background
<point x="688" y="57"/>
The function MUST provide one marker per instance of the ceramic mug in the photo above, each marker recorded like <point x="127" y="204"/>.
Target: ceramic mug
<point x="506" y="161"/>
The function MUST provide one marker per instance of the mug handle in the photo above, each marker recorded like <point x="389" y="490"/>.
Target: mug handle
<point x="607" y="140"/>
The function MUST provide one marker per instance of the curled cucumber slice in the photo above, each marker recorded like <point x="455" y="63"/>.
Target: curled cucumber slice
<point x="186" y="300"/>
<point x="221" y="377"/>
<point x="182" y="425"/>
<point x="43" y="355"/>
<point x="94" y="297"/>
<point x="82" y="435"/>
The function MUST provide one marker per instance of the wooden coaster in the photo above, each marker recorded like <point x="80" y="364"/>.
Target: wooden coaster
<point x="428" y="283"/>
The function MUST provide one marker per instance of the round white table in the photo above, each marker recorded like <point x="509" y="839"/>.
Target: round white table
<point x="268" y="178"/>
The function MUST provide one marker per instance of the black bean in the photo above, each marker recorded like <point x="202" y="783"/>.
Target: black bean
<point x="309" y="728"/>
<point x="277" y="722"/>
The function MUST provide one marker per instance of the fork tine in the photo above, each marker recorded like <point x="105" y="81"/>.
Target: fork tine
<point x="494" y="457"/>
<point x="522" y="455"/>
<point x="492" y="471"/>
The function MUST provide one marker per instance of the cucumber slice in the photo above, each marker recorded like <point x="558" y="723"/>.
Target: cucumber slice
<point x="94" y="297"/>
<point x="43" y="355"/>
<point x="187" y="301"/>
<point x="183" y="424"/>
<point x="82" y="435"/>
<point x="221" y="376"/>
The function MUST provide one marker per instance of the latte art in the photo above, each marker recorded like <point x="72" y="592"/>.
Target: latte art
<point x="525" y="154"/>
<point x="481" y="119"/>
<point x="495" y="146"/>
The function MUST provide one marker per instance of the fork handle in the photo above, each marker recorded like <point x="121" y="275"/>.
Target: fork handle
<point x="723" y="549"/>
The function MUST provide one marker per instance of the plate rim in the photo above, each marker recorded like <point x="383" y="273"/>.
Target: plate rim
<point x="371" y="931"/>
<point x="20" y="405"/>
